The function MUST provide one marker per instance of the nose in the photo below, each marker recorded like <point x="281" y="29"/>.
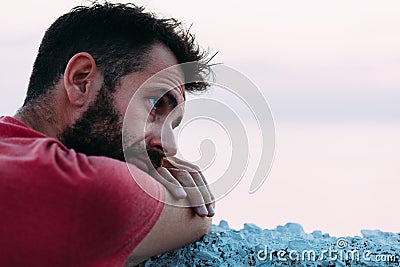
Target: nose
<point x="164" y="139"/>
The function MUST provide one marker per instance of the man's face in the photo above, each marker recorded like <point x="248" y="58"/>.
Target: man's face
<point x="153" y="108"/>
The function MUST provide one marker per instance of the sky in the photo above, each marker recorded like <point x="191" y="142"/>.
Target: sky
<point x="330" y="73"/>
<point x="312" y="59"/>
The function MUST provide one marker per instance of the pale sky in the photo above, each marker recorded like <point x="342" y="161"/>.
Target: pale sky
<point x="334" y="65"/>
<point x="312" y="59"/>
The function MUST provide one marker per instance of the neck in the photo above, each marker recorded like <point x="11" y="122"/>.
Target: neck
<point x="39" y="119"/>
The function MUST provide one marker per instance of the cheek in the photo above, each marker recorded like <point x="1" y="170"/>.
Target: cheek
<point x="137" y="125"/>
<point x="135" y="115"/>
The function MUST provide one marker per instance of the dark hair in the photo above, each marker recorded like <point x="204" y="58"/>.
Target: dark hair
<point x="118" y="36"/>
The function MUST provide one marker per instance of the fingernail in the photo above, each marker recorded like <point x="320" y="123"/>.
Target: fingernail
<point x="180" y="192"/>
<point x="211" y="210"/>
<point x="203" y="210"/>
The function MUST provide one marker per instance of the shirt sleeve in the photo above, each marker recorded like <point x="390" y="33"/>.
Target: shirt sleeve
<point x="116" y="208"/>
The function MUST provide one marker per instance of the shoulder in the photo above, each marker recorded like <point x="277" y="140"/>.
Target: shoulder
<point x="117" y="206"/>
<point x="101" y="206"/>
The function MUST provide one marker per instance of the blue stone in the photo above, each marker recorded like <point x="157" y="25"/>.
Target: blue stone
<point x="224" y="246"/>
<point x="294" y="228"/>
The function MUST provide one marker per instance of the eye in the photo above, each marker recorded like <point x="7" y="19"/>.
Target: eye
<point x="152" y="102"/>
<point x="157" y="107"/>
<point x="156" y="103"/>
<point x="160" y="106"/>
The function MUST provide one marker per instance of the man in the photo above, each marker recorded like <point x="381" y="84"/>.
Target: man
<point x="67" y="196"/>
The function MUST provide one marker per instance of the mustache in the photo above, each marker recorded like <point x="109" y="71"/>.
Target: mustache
<point x="155" y="157"/>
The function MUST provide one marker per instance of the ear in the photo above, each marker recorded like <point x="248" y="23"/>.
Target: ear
<point x="78" y="78"/>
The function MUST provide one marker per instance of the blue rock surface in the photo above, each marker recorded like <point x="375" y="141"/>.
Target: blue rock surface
<point x="286" y="245"/>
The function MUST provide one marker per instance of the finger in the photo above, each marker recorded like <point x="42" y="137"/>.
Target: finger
<point x="208" y="188"/>
<point x="164" y="177"/>
<point x="207" y="194"/>
<point x="193" y="170"/>
<point x="174" y="162"/>
<point x="194" y="195"/>
<point x="198" y="179"/>
<point x="210" y="209"/>
<point x="211" y="204"/>
<point x="204" y="190"/>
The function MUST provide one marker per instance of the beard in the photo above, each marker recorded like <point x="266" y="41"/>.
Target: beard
<point x="99" y="133"/>
<point x="153" y="159"/>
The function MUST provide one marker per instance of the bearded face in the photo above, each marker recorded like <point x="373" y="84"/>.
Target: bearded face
<point x="99" y="133"/>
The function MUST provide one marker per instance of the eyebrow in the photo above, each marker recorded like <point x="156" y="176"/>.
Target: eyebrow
<point x="165" y="91"/>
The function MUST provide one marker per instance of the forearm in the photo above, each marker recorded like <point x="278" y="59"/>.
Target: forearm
<point x="176" y="227"/>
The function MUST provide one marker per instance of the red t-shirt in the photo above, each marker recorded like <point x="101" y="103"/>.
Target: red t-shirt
<point x="62" y="208"/>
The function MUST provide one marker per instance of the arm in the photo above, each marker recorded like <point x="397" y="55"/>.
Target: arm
<point x="175" y="228"/>
<point x="121" y="210"/>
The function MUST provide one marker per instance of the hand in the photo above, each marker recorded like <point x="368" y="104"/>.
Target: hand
<point x="185" y="180"/>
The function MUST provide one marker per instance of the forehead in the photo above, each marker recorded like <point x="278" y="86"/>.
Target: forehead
<point x="164" y="71"/>
<point x="160" y="72"/>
